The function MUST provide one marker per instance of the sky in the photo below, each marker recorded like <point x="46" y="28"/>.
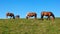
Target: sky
<point x="21" y="7"/>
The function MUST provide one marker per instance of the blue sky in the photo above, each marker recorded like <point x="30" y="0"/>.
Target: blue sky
<point x="21" y="7"/>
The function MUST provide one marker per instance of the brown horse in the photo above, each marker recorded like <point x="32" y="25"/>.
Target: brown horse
<point x="48" y="14"/>
<point x="31" y="14"/>
<point x="10" y="14"/>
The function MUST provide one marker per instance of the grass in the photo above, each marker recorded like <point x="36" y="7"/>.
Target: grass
<point x="31" y="26"/>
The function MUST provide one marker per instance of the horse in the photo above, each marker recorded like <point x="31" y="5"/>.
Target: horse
<point x="48" y="14"/>
<point x="17" y="16"/>
<point x="10" y="14"/>
<point x="31" y="14"/>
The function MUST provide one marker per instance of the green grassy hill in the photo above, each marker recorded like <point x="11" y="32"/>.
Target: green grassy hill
<point x="24" y="26"/>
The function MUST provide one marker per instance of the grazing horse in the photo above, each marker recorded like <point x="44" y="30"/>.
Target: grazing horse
<point x="31" y="14"/>
<point x="48" y="14"/>
<point x="10" y="14"/>
<point x="17" y="16"/>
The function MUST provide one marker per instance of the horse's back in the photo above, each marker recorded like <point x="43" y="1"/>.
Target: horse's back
<point x="31" y="13"/>
<point x="46" y="13"/>
<point x="9" y="14"/>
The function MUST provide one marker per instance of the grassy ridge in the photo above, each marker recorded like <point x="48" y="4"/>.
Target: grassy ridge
<point x="23" y="26"/>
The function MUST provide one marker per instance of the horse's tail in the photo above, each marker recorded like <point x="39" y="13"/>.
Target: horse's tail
<point x="52" y="15"/>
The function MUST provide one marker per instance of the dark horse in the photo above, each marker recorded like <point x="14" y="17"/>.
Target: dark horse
<point x="48" y="14"/>
<point x="31" y="14"/>
<point x="17" y="16"/>
<point x="10" y="14"/>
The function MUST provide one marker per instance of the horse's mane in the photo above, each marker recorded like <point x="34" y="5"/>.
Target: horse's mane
<point x="52" y="15"/>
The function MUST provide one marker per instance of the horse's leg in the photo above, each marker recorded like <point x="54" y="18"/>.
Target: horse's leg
<point x="27" y="17"/>
<point x="48" y="18"/>
<point x="35" y="16"/>
<point x="13" y="17"/>
<point x="42" y="17"/>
